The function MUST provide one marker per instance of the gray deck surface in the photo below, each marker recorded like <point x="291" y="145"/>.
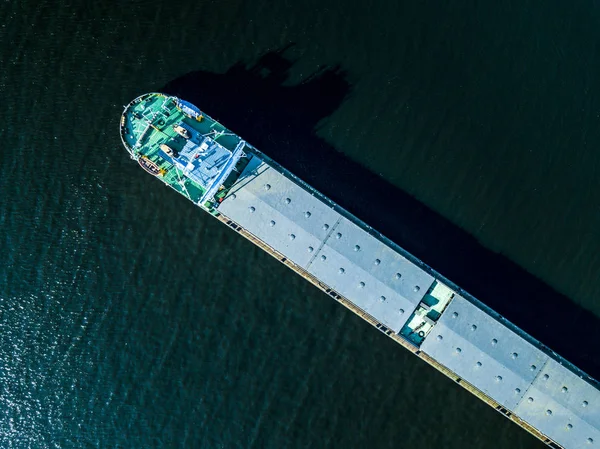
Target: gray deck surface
<point x="376" y="278"/>
<point x="569" y="400"/>
<point x="468" y="336"/>
<point x="369" y="274"/>
<point x="314" y="236"/>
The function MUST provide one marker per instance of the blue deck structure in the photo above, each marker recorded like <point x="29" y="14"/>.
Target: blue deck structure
<point x="202" y="162"/>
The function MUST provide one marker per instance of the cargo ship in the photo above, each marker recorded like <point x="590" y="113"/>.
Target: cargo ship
<point x="408" y="301"/>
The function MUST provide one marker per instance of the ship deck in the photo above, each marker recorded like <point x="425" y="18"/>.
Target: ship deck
<point x="414" y="305"/>
<point x="379" y="281"/>
<point x="149" y="120"/>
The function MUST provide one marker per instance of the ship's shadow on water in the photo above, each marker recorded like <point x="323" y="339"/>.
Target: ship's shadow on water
<point x="281" y="120"/>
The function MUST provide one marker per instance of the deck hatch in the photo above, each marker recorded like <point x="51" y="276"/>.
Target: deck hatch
<point x="573" y="403"/>
<point x="480" y="349"/>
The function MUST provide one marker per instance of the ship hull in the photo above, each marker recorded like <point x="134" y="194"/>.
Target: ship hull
<point x="372" y="276"/>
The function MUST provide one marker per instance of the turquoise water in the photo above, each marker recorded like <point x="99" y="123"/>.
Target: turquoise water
<point x="131" y="319"/>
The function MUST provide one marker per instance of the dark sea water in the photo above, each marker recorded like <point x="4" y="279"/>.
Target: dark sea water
<point x="469" y="132"/>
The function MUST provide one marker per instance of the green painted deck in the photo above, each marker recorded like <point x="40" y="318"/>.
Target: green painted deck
<point x="148" y="121"/>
